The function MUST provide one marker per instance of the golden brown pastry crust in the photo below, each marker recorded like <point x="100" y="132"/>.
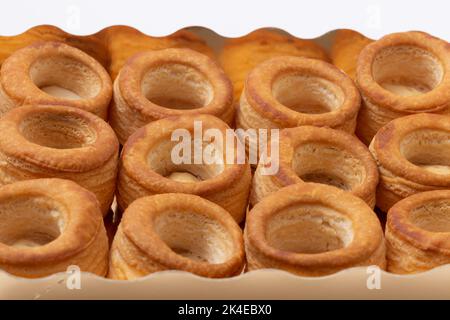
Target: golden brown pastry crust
<point x="430" y="62"/>
<point x="91" y="44"/>
<point x="313" y="207"/>
<point x="123" y="42"/>
<point x="131" y="108"/>
<point x="400" y="177"/>
<point x="346" y="47"/>
<point x="139" y="176"/>
<point x="240" y="55"/>
<point x="50" y="64"/>
<point x="62" y="142"/>
<point x="259" y="108"/>
<point x="329" y="156"/>
<point x="415" y="247"/>
<point x="155" y="235"/>
<point x="80" y="238"/>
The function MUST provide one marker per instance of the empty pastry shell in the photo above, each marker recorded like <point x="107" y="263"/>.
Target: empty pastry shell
<point x="43" y="141"/>
<point x="287" y="92"/>
<point x="240" y="55"/>
<point x="176" y="232"/>
<point x="418" y="232"/>
<point x="401" y="74"/>
<point x="413" y="155"/>
<point x="157" y="84"/>
<point x="321" y="155"/>
<point x="147" y="166"/>
<point x="57" y="74"/>
<point x="312" y="229"/>
<point x="48" y="225"/>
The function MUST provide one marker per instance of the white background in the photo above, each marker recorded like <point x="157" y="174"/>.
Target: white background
<point x="307" y="19"/>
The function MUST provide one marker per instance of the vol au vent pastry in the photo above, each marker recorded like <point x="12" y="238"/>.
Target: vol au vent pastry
<point x="418" y="232"/>
<point x="240" y="55"/>
<point x="322" y="155"/>
<point x="345" y="50"/>
<point x="63" y="142"/>
<point x="413" y="155"/>
<point x="287" y="92"/>
<point x="313" y="229"/>
<point x="54" y="73"/>
<point x="147" y="165"/>
<point x="401" y="74"/>
<point x="176" y="232"/>
<point x="123" y="42"/>
<point x="157" y="84"/>
<point x="47" y="225"/>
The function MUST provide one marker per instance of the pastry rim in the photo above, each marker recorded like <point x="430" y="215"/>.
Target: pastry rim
<point x="399" y="224"/>
<point x="258" y="92"/>
<point x="80" y="228"/>
<point x="81" y="159"/>
<point x="131" y="74"/>
<point x="386" y="147"/>
<point x="135" y="152"/>
<point x="137" y="227"/>
<point x="431" y="101"/>
<point x="365" y="241"/>
<point x="332" y="137"/>
<point x="16" y="81"/>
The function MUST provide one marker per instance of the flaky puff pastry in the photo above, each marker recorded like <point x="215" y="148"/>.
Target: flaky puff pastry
<point x="47" y="225"/>
<point x="286" y="92"/>
<point x="55" y="141"/>
<point x="240" y="55"/>
<point x="176" y="232"/>
<point x="93" y="45"/>
<point x="413" y="155"/>
<point x="157" y="84"/>
<point x="418" y="232"/>
<point x="345" y="50"/>
<point x="28" y="74"/>
<point x="321" y="155"/>
<point x="402" y="74"/>
<point x="148" y="167"/>
<point x="313" y="229"/>
<point x="123" y="42"/>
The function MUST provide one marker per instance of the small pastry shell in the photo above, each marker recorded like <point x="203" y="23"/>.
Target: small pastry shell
<point x="43" y="141"/>
<point x="146" y="164"/>
<point x="322" y="155"/>
<point x="418" y="232"/>
<point x="45" y="64"/>
<point x="312" y="229"/>
<point x="157" y="84"/>
<point x="48" y="225"/>
<point x="176" y="232"/>
<point x="402" y="74"/>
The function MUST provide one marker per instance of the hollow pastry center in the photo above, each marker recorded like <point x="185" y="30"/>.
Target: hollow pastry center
<point x="309" y="229"/>
<point x="407" y="70"/>
<point x="307" y="94"/>
<point x="433" y="216"/>
<point x="328" y="164"/>
<point x="65" y="78"/>
<point x="428" y="149"/>
<point x="177" y="86"/>
<point x="30" y="221"/>
<point x="59" y="131"/>
<point x="186" y="162"/>
<point x="195" y="236"/>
